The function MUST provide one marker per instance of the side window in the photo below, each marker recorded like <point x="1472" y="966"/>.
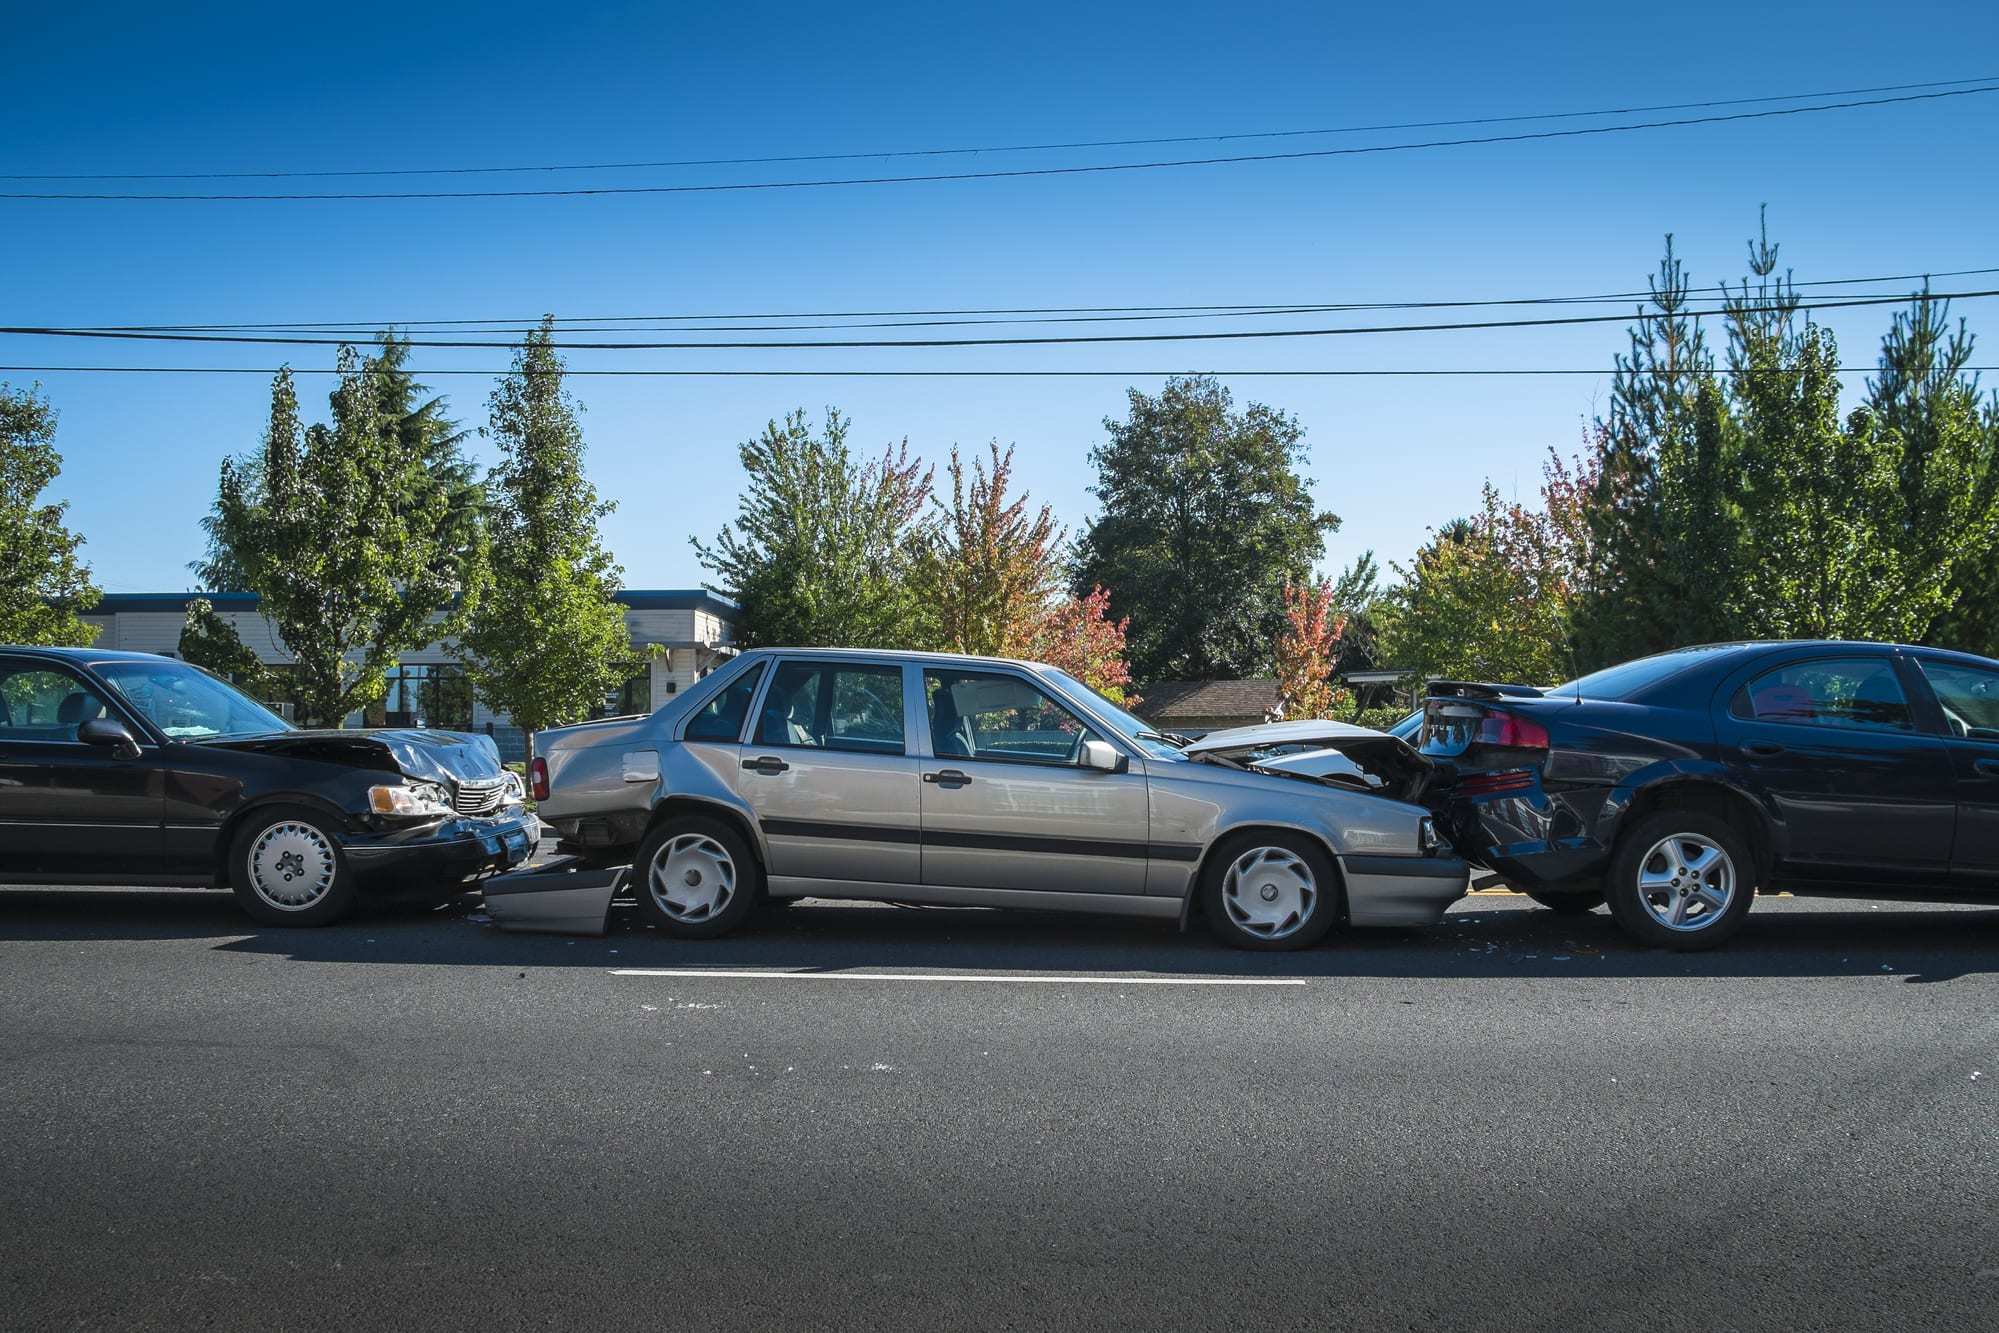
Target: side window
<point x="834" y="706"/>
<point x="38" y="703"/>
<point x="1970" y="698"/>
<point x="721" y="718"/>
<point x="1853" y="692"/>
<point x="988" y="715"/>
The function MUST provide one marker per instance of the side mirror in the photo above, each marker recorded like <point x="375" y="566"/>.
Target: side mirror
<point x="1103" y="756"/>
<point x="111" y="734"/>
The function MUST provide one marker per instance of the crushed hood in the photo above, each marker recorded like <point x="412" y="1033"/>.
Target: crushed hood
<point x="1238" y="743"/>
<point x="420" y="753"/>
<point x="1338" y="753"/>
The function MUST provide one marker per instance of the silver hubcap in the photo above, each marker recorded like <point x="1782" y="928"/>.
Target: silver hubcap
<point x="291" y="866"/>
<point x="692" y="878"/>
<point x="1270" y="892"/>
<point x="1686" y="882"/>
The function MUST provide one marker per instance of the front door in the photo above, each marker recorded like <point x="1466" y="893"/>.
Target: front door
<point x="69" y="810"/>
<point x="1969" y="697"/>
<point x="1864" y="795"/>
<point x="830" y="775"/>
<point x="1007" y="805"/>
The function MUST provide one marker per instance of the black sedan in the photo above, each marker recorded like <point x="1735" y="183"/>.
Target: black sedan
<point x="127" y="768"/>
<point x="1675" y="786"/>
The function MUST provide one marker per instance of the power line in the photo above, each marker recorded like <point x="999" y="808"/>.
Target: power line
<point x="1043" y="340"/>
<point x="989" y="148"/>
<point x="1019" y="173"/>
<point x="366" y="328"/>
<point x="945" y="374"/>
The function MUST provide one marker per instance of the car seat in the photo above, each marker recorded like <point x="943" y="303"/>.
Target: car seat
<point x="1878" y="701"/>
<point x="78" y="708"/>
<point x="947" y="726"/>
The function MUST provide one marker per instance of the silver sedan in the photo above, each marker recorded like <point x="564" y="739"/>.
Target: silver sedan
<point x="965" y="781"/>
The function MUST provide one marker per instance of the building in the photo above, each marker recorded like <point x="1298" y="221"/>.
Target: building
<point x="1195" y="707"/>
<point x="691" y="631"/>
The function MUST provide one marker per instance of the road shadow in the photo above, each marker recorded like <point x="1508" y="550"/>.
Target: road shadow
<point x="1482" y="938"/>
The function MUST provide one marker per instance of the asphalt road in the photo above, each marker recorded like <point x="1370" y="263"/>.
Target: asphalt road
<point x="1514" y="1120"/>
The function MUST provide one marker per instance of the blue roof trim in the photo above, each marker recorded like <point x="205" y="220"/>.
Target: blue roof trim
<point x="638" y="599"/>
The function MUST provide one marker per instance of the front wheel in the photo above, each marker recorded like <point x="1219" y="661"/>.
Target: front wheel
<point x="1681" y="879"/>
<point x="287" y="869"/>
<point x="696" y="878"/>
<point x="1270" y="891"/>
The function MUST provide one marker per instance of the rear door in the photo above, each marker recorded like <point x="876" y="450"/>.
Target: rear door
<point x="1007" y="805"/>
<point x="70" y="810"/>
<point x="829" y="772"/>
<point x="1969" y="698"/>
<point x="1865" y="795"/>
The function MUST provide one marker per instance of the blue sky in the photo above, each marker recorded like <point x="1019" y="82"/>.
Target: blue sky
<point x="145" y="88"/>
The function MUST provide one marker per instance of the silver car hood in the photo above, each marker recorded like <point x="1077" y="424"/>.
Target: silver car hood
<point x="1377" y="762"/>
<point x="1237" y="743"/>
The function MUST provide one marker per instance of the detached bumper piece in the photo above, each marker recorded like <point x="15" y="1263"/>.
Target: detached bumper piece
<point x="560" y="900"/>
<point x="1402" y="890"/>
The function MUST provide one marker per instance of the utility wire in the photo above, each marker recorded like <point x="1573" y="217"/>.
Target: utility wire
<point x="574" y="323"/>
<point x="944" y="374"/>
<point x="274" y="340"/>
<point x="1018" y="173"/>
<point x="989" y="148"/>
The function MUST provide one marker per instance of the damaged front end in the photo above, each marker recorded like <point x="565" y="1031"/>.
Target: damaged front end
<point x="1337" y="754"/>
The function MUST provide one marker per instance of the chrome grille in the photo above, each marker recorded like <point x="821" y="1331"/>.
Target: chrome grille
<point x="479" y="798"/>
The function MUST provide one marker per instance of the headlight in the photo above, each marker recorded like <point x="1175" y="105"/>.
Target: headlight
<point x="424" y="798"/>
<point x="514" y="790"/>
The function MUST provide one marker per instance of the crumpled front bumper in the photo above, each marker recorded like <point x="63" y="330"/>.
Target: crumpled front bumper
<point x="450" y="850"/>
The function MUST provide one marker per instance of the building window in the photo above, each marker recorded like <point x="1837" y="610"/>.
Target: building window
<point x="632" y="697"/>
<point x="424" y="696"/>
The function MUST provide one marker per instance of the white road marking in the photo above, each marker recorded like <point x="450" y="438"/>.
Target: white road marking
<point x="952" y="976"/>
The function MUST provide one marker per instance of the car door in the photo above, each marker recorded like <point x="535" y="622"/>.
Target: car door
<point x="829" y="772"/>
<point x="1969" y="698"/>
<point x="1831" y="739"/>
<point x="1007" y="805"/>
<point x="70" y="811"/>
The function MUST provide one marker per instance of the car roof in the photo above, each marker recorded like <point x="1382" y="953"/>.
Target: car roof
<point x="899" y="655"/>
<point x="83" y="656"/>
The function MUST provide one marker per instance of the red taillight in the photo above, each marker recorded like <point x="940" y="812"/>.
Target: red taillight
<point x="1511" y="731"/>
<point x="538" y="779"/>
<point x="1491" y="784"/>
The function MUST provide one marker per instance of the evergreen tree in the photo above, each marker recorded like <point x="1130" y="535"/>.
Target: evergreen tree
<point x="1205" y="516"/>
<point x="548" y="642"/>
<point x="44" y="586"/>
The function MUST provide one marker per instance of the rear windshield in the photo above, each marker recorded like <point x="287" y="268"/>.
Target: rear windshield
<point x="1627" y="678"/>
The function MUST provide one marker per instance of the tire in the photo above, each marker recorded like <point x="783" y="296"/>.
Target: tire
<point x="1709" y="903"/>
<point x="1291" y="909"/>
<point x="713" y="889"/>
<point x="286" y="868"/>
<point x="1569" y="904"/>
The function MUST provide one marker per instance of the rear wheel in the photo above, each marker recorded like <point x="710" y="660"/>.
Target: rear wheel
<point x="696" y="878"/>
<point x="1270" y="891"/>
<point x="287" y="869"/>
<point x="1681" y="879"/>
<point x="1569" y="904"/>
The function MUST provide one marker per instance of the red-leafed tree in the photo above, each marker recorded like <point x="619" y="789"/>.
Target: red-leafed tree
<point x="1306" y="651"/>
<point x="993" y="562"/>
<point x="1078" y="635"/>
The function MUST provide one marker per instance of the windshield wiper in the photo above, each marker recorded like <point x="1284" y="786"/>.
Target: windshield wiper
<point x="1172" y="738"/>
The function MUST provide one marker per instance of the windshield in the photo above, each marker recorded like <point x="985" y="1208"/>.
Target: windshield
<point x="188" y="704"/>
<point x="1122" y="720"/>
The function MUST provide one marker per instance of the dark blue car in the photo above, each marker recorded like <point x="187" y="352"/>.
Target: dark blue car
<point x="1675" y="786"/>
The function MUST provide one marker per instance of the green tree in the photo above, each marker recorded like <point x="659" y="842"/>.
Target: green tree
<point x="1204" y="517"/>
<point x="44" y="586"/>
<point x="993" y="563"/>
<point x="356" y="534"/>
<point x="825" y="550"/>
<point x="210" y="641"/>
<point x="547" y="642"/>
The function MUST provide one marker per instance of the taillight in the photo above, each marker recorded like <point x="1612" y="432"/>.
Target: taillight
<point x="1511" y="731"/>
<point x="538" y="778"/>
<point x="1491" y="784"/>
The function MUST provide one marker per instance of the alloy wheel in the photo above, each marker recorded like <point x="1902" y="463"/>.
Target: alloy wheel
<point x="1686" y="882"/>
<point x="292" y="866"/>
<point x="692" y="878"/>
<point x="1270" y="892"/>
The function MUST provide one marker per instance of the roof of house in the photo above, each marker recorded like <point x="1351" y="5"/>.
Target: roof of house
<point x="637" y="599"/>
<point x="1207" y="698"/>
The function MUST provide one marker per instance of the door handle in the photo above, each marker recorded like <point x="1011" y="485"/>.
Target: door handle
<point x="1988" y="767"/>
<point x="768" y="764"/>
<point x="949" y="777"/>
<point x="1765" y="748"/>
